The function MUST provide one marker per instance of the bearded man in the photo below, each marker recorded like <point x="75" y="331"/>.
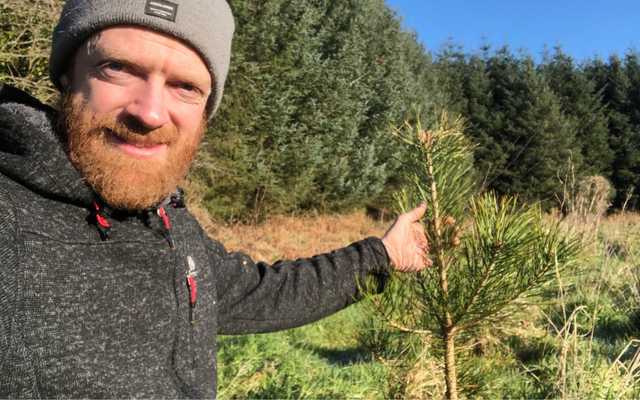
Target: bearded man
<point x="108" y="286"/>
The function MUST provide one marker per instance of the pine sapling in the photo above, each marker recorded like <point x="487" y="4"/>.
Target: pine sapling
<point x="505" y="253"/>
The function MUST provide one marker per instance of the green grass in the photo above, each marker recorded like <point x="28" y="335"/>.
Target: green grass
<point x="320" y="360"/>
<point x="545" y="351"/>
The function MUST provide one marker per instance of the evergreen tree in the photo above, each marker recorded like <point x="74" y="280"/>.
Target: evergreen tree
<point x="523" y="136"/>
<point x="500" y="70"/>
<point x="450" y="69"/>
<point x="542" y="137"/>
<point x="582" y="106"/>
<point x="624" y="137"/>
<point x="480" y="112"/>
<point x="632" y="69"/>
<point x="632" y="110"/>
<point x="309" y="99"/>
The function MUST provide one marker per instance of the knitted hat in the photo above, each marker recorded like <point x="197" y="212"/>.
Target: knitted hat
<point x="205" y="25"/>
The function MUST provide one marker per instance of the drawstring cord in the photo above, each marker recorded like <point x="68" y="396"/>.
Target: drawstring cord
<point x="167" y="228"/>
<point x="102" y="213"/>
<point x="102" y="222"/>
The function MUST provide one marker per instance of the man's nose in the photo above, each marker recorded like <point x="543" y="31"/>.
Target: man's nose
<point x="148" y="106"/>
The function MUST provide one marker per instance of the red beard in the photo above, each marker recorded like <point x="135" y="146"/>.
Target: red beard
<point x="122" y="181"/>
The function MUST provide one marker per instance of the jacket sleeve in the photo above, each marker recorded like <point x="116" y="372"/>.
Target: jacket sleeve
<point x="256" y="298"/>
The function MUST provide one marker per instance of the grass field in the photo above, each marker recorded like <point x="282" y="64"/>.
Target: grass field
<point x="581" y="344"/>
<point x="321" y="360"/>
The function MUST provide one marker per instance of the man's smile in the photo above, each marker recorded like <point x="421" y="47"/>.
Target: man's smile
<point x="137" y="150"/>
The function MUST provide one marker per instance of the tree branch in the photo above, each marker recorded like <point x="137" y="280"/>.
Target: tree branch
<point x="508" y="303"/>
<point x="403" y="328"/>
<point x="483" y="282"/>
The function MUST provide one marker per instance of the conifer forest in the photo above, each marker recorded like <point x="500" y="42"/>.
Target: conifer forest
<point x="309" y="99"/>
<point x="332" y="109"/>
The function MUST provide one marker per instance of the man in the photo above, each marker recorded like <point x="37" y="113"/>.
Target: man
<point x="108" y="286"/>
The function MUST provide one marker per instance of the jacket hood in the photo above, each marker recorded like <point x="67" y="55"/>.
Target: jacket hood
<point x="32" y="152"/>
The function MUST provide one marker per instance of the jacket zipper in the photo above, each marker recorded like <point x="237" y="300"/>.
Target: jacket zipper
<point x="191" y="285"/>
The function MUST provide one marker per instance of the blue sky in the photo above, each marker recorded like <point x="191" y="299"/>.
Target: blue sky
<point x="581" y="27"/>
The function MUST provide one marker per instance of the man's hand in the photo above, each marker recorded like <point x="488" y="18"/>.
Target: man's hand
<point x="406" y="242"/>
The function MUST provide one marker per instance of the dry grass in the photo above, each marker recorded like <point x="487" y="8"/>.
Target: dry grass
<point x="608" y="286"/>
<point x="626" y="219"/>
<point x="287" y="237"/>
<point x="586" y="205"/>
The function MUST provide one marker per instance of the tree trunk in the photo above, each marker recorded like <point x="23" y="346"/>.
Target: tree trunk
<point x="450" y="365"/>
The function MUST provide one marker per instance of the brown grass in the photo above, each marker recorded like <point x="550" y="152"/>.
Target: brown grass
<point x="283" y="237"/>
<point x="287" y="237"/>
<point x="622" y="219"/>
<point x="586" y="205"/>
<point x="290" y="237"/>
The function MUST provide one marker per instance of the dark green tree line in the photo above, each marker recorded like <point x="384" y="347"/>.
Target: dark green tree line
<point x="537" y="123"/>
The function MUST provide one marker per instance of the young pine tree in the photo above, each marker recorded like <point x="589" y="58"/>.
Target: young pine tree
<point x="505" y="253"/>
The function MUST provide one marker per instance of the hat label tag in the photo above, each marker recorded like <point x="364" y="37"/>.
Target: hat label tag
<point x="161" y="9"/>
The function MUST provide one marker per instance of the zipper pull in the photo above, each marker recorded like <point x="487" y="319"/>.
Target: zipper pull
<point x="191" y="285"/>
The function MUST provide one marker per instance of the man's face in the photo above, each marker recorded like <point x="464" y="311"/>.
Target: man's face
<point x="134" y="112"/>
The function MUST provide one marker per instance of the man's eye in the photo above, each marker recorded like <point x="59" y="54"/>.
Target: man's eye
<point x="114" y="66"/>
<point x="187" y="87"/>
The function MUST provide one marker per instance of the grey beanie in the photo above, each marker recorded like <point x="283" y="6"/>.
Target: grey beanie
<point x="205" y="25"/>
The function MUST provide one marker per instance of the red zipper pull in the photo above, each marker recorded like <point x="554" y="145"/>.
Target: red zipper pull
<point x="191" y="284"/>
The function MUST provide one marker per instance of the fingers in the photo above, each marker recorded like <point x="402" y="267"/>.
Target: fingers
<point x="417" y="212"/>
<point x="407" y="241"/>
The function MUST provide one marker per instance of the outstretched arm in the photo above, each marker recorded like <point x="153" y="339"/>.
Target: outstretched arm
<point x="264" y="298"/>
<point x="258" y="297"/>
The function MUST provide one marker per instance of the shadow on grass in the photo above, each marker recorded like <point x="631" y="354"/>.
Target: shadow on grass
<point x="342" y="357"/>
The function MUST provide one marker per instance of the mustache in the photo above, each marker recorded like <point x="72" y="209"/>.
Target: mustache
<point x="130" y="130"/>
<point x="134" y="133"/>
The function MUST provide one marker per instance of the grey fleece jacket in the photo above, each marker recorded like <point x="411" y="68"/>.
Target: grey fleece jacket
<point x="85" y="316"/>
